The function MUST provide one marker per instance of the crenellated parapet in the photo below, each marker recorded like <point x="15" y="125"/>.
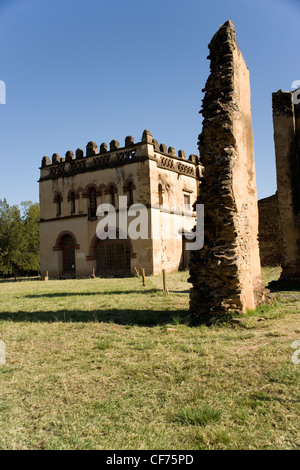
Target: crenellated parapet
<point x="113" y="155"/>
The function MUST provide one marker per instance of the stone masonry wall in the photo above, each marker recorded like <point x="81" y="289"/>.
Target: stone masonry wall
<point x="270" y="237"/>
<point x="286" y="122"/>
<point x="226" y="273"/>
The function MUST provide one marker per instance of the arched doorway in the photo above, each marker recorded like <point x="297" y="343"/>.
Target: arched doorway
<point x="68" y="252"/>
<point x="113" y="258"/>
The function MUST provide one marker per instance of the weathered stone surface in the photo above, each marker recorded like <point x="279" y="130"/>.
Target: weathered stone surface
<point x="226" y="272"/>
<point x="156" y="145"/>
<point x="270" y="237"/>
<point x="114" y="145"/>
<point x="193" y="158"/>
<point x="46" y="161"/>
<point x="163" y="148"/>
<point x="79" y="154"/>
<point x="55" y="158"/>
<point x="147" y="137"/>
<point x="69" y="156"/>
<point x="129" y="141"/>
<point x="286" y="120"/>
<point x="91" y="149"/>
<point x="171" y="151"/>
<point x="103" y="148"/>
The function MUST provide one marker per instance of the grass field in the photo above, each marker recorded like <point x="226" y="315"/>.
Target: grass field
<point x="109" y="364"/>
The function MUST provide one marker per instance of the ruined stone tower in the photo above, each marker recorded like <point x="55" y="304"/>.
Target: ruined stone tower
<point x="226" y="272"/>
<point x="286" y="119"/>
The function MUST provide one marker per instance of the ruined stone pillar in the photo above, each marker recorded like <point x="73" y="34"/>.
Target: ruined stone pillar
<point x="226" y="272"/>
<point x="286" y="120"/>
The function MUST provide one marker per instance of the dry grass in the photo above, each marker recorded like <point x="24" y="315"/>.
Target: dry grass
<point x="108" y="364"/>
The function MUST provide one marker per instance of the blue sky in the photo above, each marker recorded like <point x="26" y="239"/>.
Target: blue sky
<point x="81" y="70"/>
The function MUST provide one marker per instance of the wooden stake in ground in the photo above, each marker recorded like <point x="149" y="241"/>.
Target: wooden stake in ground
<point x="165" y="289"/>
<point x="144" y="277"/>
<point x="136" y="271"/>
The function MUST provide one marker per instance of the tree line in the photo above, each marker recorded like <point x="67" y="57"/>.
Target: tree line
<point x="19" y="239"/>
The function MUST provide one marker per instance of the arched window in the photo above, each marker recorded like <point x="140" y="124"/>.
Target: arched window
<point x="128" y="189"/>
<point x="112" y="191"/>
<point x="160" y="195"/>
<point x="112" y="196"/>
<point x="58" y="205"/>
<point x="101" y="192"/>
<point x="58" y="202"/>
<point x="92" y="203"/>
<point x="73" y="204"/>
<point x="72" y="199"/>
<point x="130" y="193"/>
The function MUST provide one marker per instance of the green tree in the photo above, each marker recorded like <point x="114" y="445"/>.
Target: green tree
<point x="10" y="237"/>
<point x="30" y="236"/>
<point x="19" y="238"/>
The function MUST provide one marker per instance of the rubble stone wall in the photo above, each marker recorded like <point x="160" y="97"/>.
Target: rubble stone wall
<point x="270" y="237"/>
<point x="286" y="122"/>
<point x="226" y="273"/>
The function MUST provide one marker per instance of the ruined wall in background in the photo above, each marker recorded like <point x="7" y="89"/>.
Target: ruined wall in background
<point x="286" y="120"/>
<point x="270" y="237"/>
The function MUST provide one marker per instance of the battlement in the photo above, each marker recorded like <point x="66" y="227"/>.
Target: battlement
<point x="99" y="158"/>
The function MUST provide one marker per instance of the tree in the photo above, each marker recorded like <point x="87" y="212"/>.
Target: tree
<point x="19" y="238"/>
<point x="30" y="260"/>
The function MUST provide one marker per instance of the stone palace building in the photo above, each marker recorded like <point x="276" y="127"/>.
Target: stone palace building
<point x="72" y="188"/>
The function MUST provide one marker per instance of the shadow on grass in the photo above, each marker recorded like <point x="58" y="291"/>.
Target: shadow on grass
<point x="20" y="279"/>
<point x="265" y="398"/>
<point x="186" y="291"/>
<point x="111" y="292"/>
<point x="276" y="286"/>
<point x="121" y="317"/>
<point x="284" y="285"/>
